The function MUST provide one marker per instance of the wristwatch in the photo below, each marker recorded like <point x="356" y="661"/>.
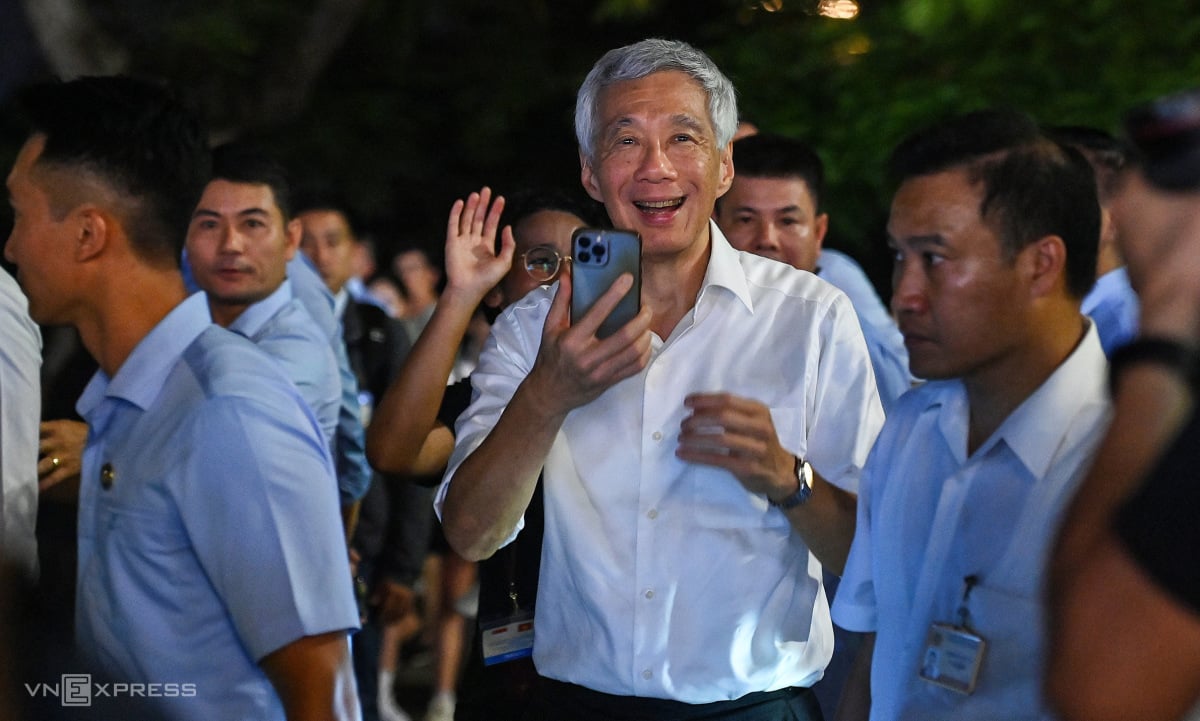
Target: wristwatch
<point x="804" y="480"/>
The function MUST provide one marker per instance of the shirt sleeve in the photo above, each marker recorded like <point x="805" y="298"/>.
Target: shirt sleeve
<point x="506" y="359"/>
<point x="259" y="503"/>
<point x="854" y="606"/>
<point x="1158" y="524"/>
<point x="845" y="411"/>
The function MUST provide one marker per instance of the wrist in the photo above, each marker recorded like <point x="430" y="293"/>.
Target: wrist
<point x="799" y="493"/>
<point x="1179" y="356"/>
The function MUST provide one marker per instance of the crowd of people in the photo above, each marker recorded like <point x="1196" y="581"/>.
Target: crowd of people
<point x="268" y="464"/>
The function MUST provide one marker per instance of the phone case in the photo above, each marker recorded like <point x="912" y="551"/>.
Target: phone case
<point x="598" y="258"/>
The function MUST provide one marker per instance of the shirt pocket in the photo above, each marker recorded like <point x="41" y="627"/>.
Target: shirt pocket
<point x="718" y="498"/>
<point x="1011" y="622"/>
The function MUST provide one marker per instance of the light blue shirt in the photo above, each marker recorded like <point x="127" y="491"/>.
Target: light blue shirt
<point x="350" y="451"/>
<point x="929" y="516"/>
<point x="885" y="344"/>
<point x="1114" y="306"/>
<point x="286" y="331"/>
<point x="218" y="540"/>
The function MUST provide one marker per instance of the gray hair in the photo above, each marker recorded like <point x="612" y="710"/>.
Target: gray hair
<point x="636" y="61"/>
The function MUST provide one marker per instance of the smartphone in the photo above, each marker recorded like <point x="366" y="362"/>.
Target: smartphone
<point x="598" y="258"/>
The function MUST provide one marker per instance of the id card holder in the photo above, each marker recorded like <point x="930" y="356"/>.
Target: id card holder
<point x="507" y="638"/>
<point x="952" y="658"/>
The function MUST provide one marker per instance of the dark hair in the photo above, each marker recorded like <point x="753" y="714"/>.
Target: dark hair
<point x="526" y="201"/>
<point x="240" y="162"/>
<point x="773" y="156"/>
<point x="137" y="139"/>
<point x="1108" y="155"/>
<point x="323" y="197"/>
<point x="1032" y="185"/>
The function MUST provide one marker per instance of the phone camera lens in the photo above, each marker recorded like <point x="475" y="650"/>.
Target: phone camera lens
<point x="598" y="251"/>
<point x="584" y="241"/>
<point x="583" y="256"/>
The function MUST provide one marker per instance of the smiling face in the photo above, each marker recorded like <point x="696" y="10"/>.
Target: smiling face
<point x="657" y="166"/>
<point x="238" y="246"/>
<point x="775" y="218"/>
<point x="960" y="303"/>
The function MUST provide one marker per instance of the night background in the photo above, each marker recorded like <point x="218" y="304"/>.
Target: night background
<point x="404" y="106"/>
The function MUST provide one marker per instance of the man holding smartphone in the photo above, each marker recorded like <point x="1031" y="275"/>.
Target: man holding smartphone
<point x="685" y="524"/>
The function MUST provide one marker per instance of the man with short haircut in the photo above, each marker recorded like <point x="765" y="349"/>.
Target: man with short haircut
<point x="994" y="229"/>
<point x="211" y="562"/>
<point x="685" y="525"/>
<point x="773" y="209"/>
<point x="1112" y="303"/>
<point x="238" y="246"/>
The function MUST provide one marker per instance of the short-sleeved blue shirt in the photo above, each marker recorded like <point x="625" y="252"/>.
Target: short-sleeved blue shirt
<point x="209" y="532"/>
<point x="282" y="326"/>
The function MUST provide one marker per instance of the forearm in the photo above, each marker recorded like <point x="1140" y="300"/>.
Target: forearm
<point x="855" y="703"/>
<point x="491" y="489"/>
<point x="406" y="414"/>
<point x="826" y="523"/>
<point x="1151" y="405"/>
<point x="314" y="678"/>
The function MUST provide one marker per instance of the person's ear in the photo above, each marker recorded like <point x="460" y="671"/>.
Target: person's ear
<point x="292" y="232"/>
<point x="588" y="177"/>
<point x="92" y="231"/>
<point x="726" y="179"/>
<point x="1047" y="264"/>
<point x="820" y="228"/>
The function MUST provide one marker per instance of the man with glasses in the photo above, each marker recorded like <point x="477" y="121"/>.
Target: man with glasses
<point x="685" y="523"/>
<point x="413" y="427"/>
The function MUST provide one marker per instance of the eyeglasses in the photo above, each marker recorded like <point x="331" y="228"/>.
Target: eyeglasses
<point x="543" y="262"/>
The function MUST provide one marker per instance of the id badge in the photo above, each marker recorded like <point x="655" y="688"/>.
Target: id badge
<point x="507" y="638"/>
<point x="952" y="657"/>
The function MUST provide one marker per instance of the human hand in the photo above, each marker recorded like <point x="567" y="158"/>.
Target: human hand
<point x="61" y="452"/>
<point x="737" y="434"/>
<point x="472" y="265"/>
<point x="393" y="601"/>
<point x="1159" y="234"/>
<point x="573" y="366"/>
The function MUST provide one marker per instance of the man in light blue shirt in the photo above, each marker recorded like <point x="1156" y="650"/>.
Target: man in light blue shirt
<point x="994" y="228"/>
<point x="772" y="209"/>
<point x="212" y="567"/>
<point x="238" y="245"/>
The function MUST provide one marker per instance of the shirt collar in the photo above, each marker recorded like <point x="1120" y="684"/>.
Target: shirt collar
<point x="725" y="269"/>
<point x="141" y="376"/>
<point x="1077" y="383"/>
<point x="256" y="316"/>
<point x="341" y="299"/>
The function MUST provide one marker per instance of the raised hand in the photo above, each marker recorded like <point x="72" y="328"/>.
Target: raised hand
<point x="472" y="265"/>
<point x="573" y="366"/>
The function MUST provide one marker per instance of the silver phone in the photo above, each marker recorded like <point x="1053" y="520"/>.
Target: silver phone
<point x="598" y="258"/>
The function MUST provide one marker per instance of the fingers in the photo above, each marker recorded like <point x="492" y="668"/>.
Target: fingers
<point x="604" y="305"/>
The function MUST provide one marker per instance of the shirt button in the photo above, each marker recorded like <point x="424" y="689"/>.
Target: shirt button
<point x="652" y="514"/>
<point x="649" y="593"/>
<point x="647" y="674"/>
<point x="657" y="435"/>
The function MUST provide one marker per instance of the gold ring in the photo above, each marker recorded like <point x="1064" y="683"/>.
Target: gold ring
<point x="55" y="462"/>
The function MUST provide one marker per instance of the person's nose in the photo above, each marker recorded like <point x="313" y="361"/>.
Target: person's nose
<point x="908" y="288"/>
<point x="656" y="165"/>
<point x="766" y="237"/>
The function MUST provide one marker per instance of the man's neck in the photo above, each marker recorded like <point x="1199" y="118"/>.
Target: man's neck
<point x="126" y="312"/>
<point x="995" y="392"/>
<point x="671" y="285"/>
